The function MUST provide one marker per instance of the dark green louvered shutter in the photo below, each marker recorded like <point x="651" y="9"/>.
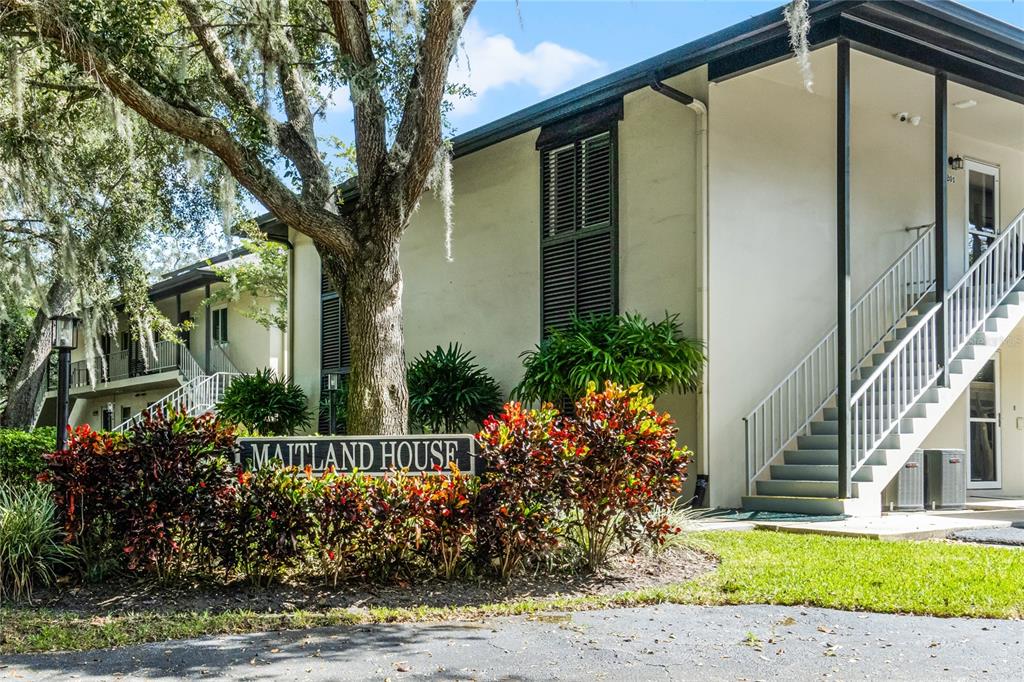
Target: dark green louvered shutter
<point x="335" y="352"/>
<point x="579" y="264"/>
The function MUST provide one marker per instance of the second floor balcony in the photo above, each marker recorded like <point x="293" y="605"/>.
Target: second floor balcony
<point x="165" y="363"/>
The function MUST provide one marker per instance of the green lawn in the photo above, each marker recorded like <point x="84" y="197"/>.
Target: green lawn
<point x="756" y="568"/>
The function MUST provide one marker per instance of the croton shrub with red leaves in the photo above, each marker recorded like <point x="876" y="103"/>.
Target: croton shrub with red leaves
<point x="519" y="505"/>
<point x="625" y="471"/>
<point x="600" y="478"/>
<point x="148" y="489"/>
<point x="168" y="498"/>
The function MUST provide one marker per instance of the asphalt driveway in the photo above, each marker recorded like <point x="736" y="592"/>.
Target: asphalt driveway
<point x="654" y="643"/>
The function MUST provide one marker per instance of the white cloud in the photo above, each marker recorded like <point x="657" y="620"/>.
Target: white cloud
<point x="492" y="61"/>
<point x="338" y="100"/>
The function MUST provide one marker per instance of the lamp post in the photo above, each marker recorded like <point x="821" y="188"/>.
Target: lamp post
<point x="333" y="384"/>
<point x="63" y="338"/>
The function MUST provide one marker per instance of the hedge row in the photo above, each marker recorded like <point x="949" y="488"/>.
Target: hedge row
<point x="164" y="498"/>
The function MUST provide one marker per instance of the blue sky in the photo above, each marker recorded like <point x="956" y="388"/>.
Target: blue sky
<point x="517" y="59"/>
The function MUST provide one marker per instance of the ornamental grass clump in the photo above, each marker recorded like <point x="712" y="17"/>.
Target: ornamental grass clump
<point x="32" y="552"/>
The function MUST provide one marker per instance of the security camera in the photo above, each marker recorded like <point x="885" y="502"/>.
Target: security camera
<point x="902" y="117"/>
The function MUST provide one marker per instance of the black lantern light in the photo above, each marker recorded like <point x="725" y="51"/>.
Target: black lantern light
<point x="333" y="386"/>
<point x="64" y="332"/>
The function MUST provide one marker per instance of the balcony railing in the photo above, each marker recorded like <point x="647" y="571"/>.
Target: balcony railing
<point x="134" y="362"/>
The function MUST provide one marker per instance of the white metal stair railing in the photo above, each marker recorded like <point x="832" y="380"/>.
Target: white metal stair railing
<point x="913" y="365"/>
<point x="789" y="408"/>
<point x="195" y="397"/>
<point x="220" y="361"/>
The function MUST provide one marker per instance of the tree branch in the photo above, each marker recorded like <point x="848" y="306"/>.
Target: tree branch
<point x="419" y="133"/>
<point x="244" y="164"/>
<point x="351" y="26"/>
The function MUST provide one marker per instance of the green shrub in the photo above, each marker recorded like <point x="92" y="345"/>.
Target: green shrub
<point x="266" y="404"/>
<point x="626" y="349"/>
<point x="520" y="502"/>
<point x="625" y="472"/>
<point x="269" y="523"/>
<point x="145" y="489"/>
<point x="448" y="390"/>
<point x="21" y="453"/>
<point x="31" y="550"/>
<point x="342" y="522"/>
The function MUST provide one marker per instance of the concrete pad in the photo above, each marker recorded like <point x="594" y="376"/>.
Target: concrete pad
<point x="901" y="526"/>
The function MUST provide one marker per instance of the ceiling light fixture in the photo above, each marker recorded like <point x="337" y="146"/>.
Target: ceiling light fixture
<point x="965" y="104"/>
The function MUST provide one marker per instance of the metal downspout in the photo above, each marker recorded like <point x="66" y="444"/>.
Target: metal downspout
<point x="703" y="241"/>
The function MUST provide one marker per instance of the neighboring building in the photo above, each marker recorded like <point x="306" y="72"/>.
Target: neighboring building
<point x="708" y="181"/>
<point x="222" y="343"/>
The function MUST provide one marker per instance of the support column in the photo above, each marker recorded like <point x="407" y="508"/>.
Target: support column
<point x="177" y="321"/>
<point x="209" y="332"/>
<point x="843" y="261"/>
<point x="941" y="224"/>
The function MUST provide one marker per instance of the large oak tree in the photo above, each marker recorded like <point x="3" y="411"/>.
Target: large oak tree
<point x="246" y="80"/>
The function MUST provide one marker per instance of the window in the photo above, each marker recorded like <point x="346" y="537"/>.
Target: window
<point x="335" y="354"/>
<point x="579" y="220"/>
<point x="219" y="322"/>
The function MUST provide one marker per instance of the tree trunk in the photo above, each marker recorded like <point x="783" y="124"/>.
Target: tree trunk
<point x="371" y="296"/>
<point x="25" y="393"/>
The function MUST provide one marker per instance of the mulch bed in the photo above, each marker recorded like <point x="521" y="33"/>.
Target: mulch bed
<point x="624" y="574"/>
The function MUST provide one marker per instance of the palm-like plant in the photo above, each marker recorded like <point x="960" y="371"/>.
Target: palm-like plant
<point x="626" y="349"/>
<point x="448" y="389"/>
<point x="265" y="403"/>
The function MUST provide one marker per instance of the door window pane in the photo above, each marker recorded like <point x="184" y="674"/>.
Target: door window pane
<point x="981" y="213"/>
<point x="983" y="451"/>
<point x="983" y="393"/>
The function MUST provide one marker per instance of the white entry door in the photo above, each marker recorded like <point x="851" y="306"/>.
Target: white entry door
<point x="982" y="209"/>
<point x="983" y="421"/>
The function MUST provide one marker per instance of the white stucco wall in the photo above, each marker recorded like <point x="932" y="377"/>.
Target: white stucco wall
<point x="488" y="297"/>
<point x="772" y="240"/>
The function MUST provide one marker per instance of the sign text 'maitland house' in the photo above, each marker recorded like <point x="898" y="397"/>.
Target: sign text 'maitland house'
<point x="368" y="454"/>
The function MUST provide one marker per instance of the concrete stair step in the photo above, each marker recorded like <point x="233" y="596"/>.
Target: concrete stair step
<point x="794" y="504"/>
<point x="814" y="472"/>
<point x="826" y="457"/>
<point x="788" y="488"/>
<point x="828" y="442"/>
<point x="917" y="411"/>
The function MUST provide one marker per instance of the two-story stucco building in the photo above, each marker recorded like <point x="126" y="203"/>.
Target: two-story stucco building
<point x="221" y="343"/>
<point x="851" y="256"/>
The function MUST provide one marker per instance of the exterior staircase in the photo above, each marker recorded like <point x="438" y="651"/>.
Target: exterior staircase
<point x="199" y="394"/>
<point x="897" y="390"/>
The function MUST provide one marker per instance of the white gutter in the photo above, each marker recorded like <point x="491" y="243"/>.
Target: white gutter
<point x="703" y="321"/>
<point x="701" y="216"/>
